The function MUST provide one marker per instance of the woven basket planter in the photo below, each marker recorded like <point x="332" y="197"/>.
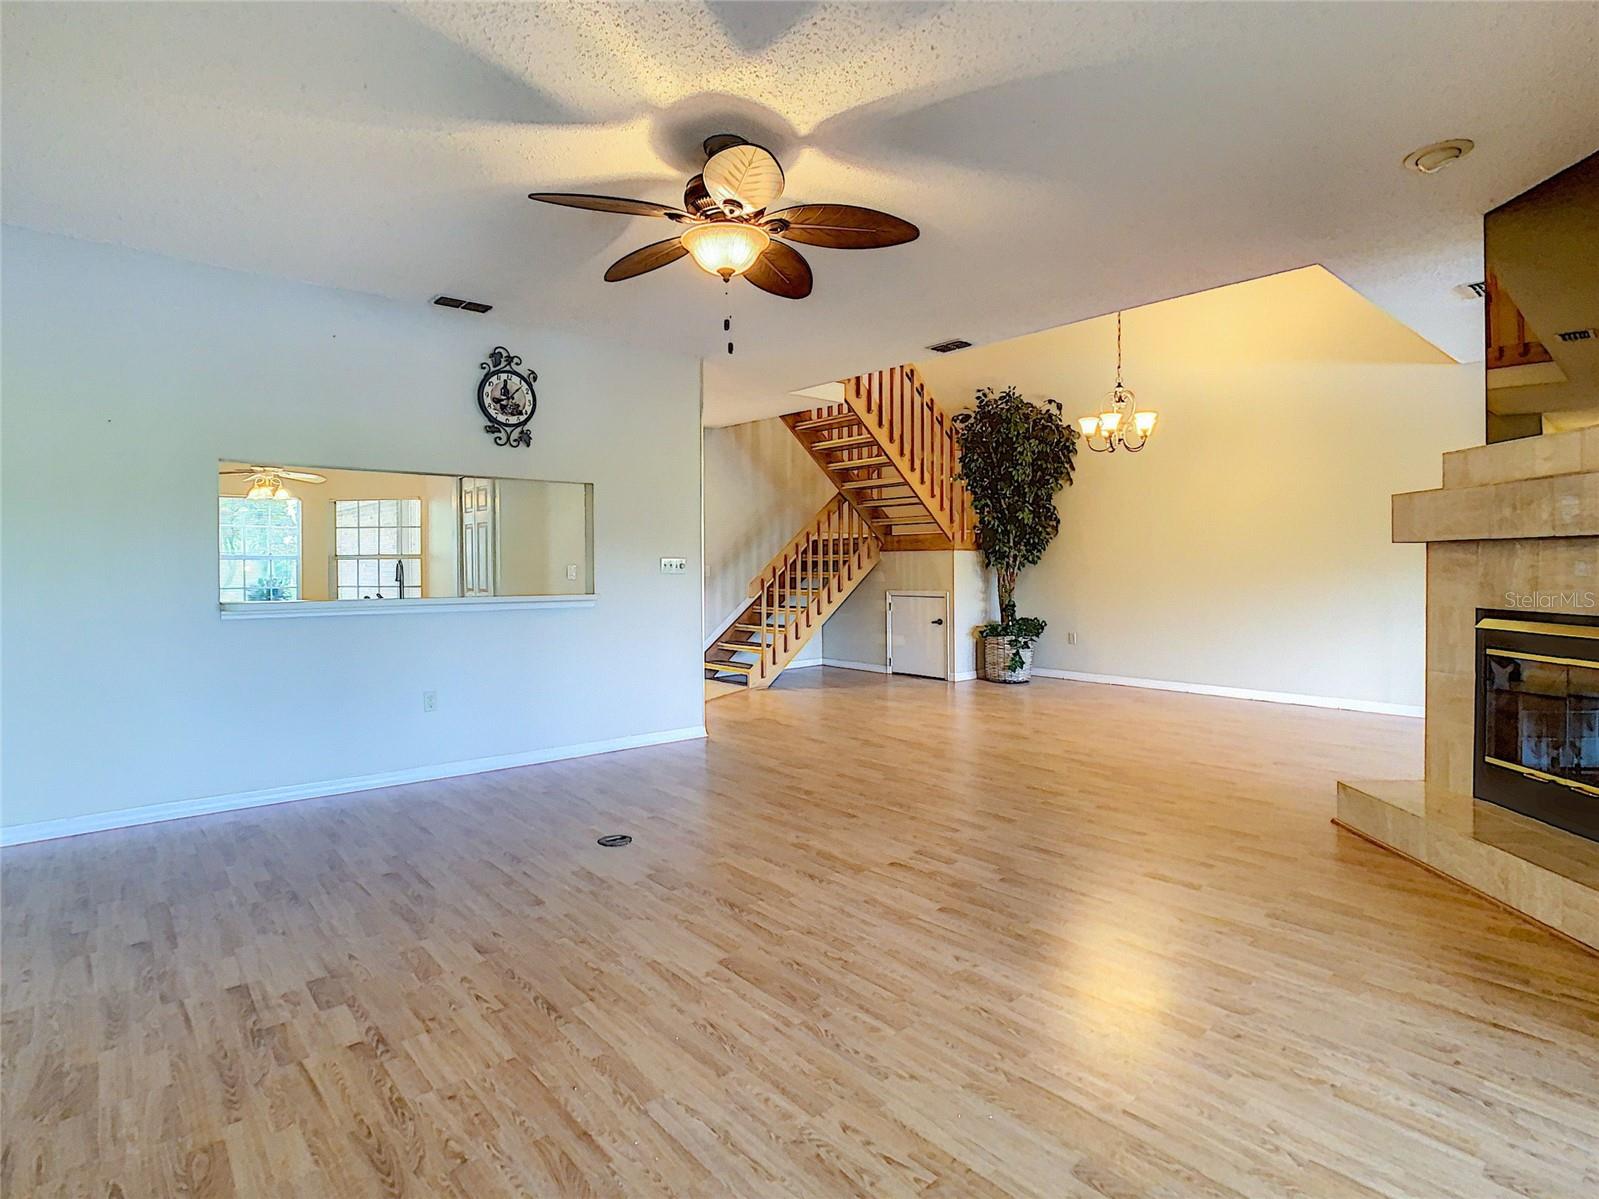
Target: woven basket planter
<point x="997" y="661"/>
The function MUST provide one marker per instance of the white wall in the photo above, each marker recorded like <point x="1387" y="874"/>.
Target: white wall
<point x="976" y="603"/>
<point x="858" y="632"/>
<point x="542" y="531"/>
<point x="1248" y="546"/>
<point x="760" y="487"/>
<point x="126" y="377"/>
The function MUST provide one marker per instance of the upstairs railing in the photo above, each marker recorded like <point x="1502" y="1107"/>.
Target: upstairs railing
<point x="806" y="579"/>
<point x="915" y="433"/>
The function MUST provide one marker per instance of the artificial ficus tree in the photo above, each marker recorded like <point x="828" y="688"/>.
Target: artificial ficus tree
<point x="1014" y="456"/>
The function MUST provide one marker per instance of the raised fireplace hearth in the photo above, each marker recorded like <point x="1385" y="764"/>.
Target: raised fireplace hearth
<point x="1509" y="803"/>
<point x="1537" y="718"/>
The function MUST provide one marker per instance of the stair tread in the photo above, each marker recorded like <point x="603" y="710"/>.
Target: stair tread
<point x="860" y="463"/>
<point x="867" y="484"/>
<point x="747" y="647"/>
<point x="735" y="667"/>
<point x="824" y="422"/>
<point x="843" y="443"/>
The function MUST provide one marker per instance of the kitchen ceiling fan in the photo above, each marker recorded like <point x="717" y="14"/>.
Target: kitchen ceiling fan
<point x="266" y="482"/>
<point x="729" y="231"/>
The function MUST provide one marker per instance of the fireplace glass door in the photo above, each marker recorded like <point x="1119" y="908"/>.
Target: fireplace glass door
<point x="1538" y="721"/>
<point x="1543" y="717"/>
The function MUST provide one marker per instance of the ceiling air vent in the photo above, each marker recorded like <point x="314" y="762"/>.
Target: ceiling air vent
<point x="1477" y="289"/>
<point x="463" y="305"/>
<point x="1578" y="334"/>
<point x="949" y="347"/>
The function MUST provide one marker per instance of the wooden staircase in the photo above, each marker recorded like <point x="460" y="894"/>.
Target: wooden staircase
<point x="794" y="593"/>
<point x="890" y="452"/>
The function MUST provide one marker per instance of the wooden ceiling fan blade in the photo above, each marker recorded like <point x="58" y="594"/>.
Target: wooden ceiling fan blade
<point x="842" y="227"/>
<point x="648" y="258"/>
<point x="608" y="204"/>
<point x="781" y="271"/>
<point x="302" y="476"/>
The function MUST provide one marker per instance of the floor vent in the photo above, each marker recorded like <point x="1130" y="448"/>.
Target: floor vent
<point x="949" y="347"/>
<point x="463" y="305"/>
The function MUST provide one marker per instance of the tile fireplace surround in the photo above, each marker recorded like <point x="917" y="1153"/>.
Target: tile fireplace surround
<point x="1515" y="526"/>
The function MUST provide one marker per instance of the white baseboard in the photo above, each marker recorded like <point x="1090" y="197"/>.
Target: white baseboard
<point x="1270" y="697"/>
<point x="875" y="669"/>
<point x="72" y="826"/>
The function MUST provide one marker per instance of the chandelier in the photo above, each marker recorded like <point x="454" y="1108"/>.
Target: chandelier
<point x="267" y="487"/>
<point x="1120" y="424"/>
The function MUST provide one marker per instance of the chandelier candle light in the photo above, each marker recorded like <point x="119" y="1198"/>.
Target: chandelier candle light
<point x="1121" y="424"/>
<point x="268" y="487"/>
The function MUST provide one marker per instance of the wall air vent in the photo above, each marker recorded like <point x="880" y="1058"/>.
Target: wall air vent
<point x="1578" y="334"/>
<point x="463" y="305"/>
<point x="1477" y="289"/>
<point x="949" y="347"/>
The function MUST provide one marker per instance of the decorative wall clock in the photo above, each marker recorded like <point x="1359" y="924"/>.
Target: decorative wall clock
<point x="505" y="396"/>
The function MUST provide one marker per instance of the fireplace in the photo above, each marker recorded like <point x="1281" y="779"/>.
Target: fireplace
<point x="1537" y="744"/>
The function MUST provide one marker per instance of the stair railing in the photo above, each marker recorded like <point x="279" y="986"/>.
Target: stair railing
<point x="813" y="568"/>
<point x="897" y="409"/>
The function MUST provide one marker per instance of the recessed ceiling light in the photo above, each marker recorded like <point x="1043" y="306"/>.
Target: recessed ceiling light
<point x="1429" y="160"/>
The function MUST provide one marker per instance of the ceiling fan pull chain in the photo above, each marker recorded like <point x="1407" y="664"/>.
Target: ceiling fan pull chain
<point x="727" y="321"/>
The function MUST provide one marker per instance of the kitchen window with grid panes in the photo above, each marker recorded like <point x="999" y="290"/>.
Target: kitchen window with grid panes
<point x="377" y="548"/>
<point x="258" y="549"/>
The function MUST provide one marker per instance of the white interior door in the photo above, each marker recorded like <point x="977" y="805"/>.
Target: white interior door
<point x="918" y="633"/>
<point x="477" y="536"/>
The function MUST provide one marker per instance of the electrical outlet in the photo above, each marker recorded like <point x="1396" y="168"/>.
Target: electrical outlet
<point x="674" y="566"/>
<point x="571" y="573"/>
<point x="430" y="701"/>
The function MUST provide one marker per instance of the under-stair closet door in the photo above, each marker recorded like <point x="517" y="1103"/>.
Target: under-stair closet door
<point x="477" y="536"/>
<point x="918" y="633"/>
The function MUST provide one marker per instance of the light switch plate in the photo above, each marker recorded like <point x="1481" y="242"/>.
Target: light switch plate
<point x="674" y="566"/>
<point x="571" y="573"/>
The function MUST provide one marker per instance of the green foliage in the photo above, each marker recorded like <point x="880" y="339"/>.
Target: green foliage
<point x="1022" y="631"/>
<point x="1014" y="456"/>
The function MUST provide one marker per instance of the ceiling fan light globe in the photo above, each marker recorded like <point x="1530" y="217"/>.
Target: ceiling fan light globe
<point x="725" y="248"/>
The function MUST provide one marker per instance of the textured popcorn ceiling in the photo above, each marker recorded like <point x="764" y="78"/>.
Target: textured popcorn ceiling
<point x="1062" y="160"/>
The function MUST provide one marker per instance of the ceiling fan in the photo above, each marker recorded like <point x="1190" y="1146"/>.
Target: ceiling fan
<point x="266" y="482"/>
<point x="729" y="231"/>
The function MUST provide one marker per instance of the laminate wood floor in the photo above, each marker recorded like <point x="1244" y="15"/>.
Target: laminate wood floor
<point x="878" y="937"/>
